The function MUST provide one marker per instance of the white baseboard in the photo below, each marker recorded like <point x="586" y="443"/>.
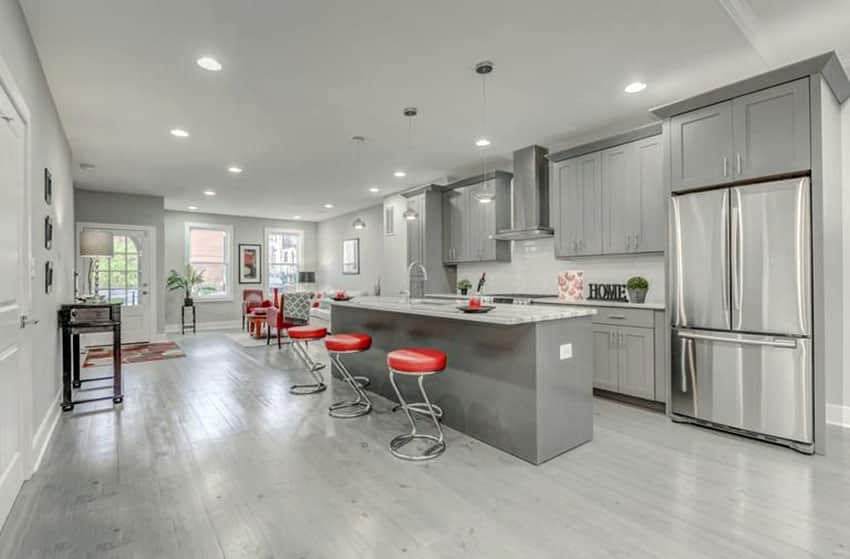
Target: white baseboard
<point x="45" y="431"/>
<point x="838" y="415"/>
<point x="160" y="337"/>
<point x="207" y="326"/>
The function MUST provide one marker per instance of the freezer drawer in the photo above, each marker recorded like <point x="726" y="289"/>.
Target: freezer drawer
<point x="771" y="259"/>
<point x="761" y="384"/>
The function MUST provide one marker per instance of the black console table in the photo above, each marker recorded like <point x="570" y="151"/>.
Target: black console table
<point x="183" y="325"/>
<point x="85" y="318"/>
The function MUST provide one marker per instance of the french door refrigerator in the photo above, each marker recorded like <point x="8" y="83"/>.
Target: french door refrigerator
<point x="741" y="310"/>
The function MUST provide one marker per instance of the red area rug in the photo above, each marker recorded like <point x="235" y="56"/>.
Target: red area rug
<point x="133" y="353"/>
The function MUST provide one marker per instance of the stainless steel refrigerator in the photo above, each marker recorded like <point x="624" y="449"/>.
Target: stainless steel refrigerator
<point x="742" y="310"/>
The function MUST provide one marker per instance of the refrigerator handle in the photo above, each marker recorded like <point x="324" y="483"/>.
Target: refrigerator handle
<point x="799" y="250"/>
<point x="683" y="384"/>
<point x="785" y="343"/>
<point x="737" y="253"/>
<point x="724" y="273"/>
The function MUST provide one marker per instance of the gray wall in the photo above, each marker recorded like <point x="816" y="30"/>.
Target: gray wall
<point x="245" y="230"/>
<point x="841" y="395"/>
<point x="534" y="269"/>
<point x="93" y="206"/>
<point x="49" y="148"/>
<point x="332" y="232"/>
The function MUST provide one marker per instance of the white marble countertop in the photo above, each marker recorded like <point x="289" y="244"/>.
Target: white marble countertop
<point x="555" y="301"/>
<point x="502" y="314"/>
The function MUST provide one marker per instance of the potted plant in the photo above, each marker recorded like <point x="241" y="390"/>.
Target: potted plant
<point x="637" y="286"/>
<point x="186" y="282"/>
<point x="464" y="286"/>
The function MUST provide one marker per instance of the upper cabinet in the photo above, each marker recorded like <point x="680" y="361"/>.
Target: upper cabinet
<point x="469" y="225"/>
<point x="761" y="134"/>
<point x="609" y="201"/>
<point x="425" y="236"/>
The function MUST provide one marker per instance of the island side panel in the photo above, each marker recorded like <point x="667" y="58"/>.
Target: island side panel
<point x="565" y="386"/>
<point x="488" y="389"/>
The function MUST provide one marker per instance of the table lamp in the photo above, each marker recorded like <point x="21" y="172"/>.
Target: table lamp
<point x="306" y="277"/>
<point x="93" y="244"/>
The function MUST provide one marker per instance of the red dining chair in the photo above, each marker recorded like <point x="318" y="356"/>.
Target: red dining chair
<point x="251" y="299"/>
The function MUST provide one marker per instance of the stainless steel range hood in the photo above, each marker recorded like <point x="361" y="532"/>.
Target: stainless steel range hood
<point x="530" y="197"/>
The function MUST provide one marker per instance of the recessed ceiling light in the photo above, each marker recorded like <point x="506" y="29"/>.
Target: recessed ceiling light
<point x="328" y="206"/>
<point x="209" y="192"/>
<point x="209" y="63"/>
<point x="635" y="87"/>
<point x="399" y="174"/>
<point x="234" y="169"/>
<point x="193" y="208"/>
<point x="296" y="217"/>
<point x="482" y="142"/>
<point x="374" y="189"/>
<point x="180" y="133"/>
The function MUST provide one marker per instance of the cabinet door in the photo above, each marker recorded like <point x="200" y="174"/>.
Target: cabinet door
<point x="772" y="131"/>
<point x="637" y="362"/>
<point x="589" y="211"/>
<point x="482" y="217"/>
<point x="456" y="218"/>
<point x="701" y="145"/>
<point x="606" y="373"/>
<point x="652" y="225"/>
<point x="565" y="193"/>
<point x="620" y="199"/>
<point x="415" y="236"/>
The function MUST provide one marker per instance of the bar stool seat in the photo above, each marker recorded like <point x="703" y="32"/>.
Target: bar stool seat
<point x="336" y="345"/>
<point x="301" y="336"/>
<point x="418" y="363"/>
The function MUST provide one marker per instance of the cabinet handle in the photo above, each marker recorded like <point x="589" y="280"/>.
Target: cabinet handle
<point x="637" y="240"/>
<point x="617" y="316"/>
<point x="739" y="163"/>
<point x="725" y="166"/>
<point x="581" y="245"/>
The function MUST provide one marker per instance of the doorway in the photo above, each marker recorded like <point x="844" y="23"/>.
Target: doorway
<point x="126" y="278"/>
<point x="15" y="297"/>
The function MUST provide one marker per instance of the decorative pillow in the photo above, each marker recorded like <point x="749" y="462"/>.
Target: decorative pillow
<point x="267" y="303"/>
<point x="297" y="306"/>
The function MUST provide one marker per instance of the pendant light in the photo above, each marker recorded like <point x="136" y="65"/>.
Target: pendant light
<point x="409" y="214"/>
<point x="358" y="143"/>
<point x="485" y="194"/>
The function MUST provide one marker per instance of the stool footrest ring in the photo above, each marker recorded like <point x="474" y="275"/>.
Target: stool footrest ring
<point x="301" y="389"/>
<point x="432" y="451"/>
<point x="355" y="408"/>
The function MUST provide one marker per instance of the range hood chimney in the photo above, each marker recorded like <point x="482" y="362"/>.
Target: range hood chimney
<point x="530" y="197"/>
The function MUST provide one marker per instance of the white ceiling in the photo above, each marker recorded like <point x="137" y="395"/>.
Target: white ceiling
<point x="301" y="78"/>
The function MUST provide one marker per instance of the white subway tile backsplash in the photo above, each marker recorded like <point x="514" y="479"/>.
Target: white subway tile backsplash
<point x="534" y="269"/>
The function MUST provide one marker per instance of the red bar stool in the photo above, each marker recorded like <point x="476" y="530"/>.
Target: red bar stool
<point x="301" y="336"/>
<point x="419" y="363"/>
<point x="337" y="345"/>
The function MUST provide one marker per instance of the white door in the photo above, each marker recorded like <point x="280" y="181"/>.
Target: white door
<point x="124" y="278"/>
<point x="15" y="373"/>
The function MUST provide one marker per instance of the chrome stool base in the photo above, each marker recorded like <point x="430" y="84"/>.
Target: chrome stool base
<point x="349" y="409"/>
<point x="421" y="407"/>
<point x="300" y="349"/>
<point x="425" y="408"/>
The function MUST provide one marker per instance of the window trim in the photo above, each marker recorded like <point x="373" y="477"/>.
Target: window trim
<point x="228" y="257"/>
<point x="267" y="247"/>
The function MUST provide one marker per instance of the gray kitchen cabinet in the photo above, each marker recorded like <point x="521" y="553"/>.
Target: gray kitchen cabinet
<point x="701" y="147"/>
<point x="637" y="362"/>
<point x="575" y="205"/>
<point x="416" y="230"/>
<point x="620" y="199"/>
<point x="425" y="238"/>
<point x="771" y="131"/>
<point x="470" y="225"/>
<point x="649" y="176"/>
<point x="455" y="211"/>
<point x="606" y="359"/>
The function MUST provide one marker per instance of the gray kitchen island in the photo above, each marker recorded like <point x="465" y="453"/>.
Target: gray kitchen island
<point x="519" y="378"/>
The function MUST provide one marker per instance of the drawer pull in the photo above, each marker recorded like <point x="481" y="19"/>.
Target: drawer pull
<point x="617" y="316"/>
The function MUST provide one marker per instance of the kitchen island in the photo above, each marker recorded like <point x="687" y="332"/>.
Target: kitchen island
<point x="519" y="378"/>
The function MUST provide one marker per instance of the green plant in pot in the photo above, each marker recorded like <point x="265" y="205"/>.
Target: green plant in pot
<point x="464" y="286"/>
<point x="186" y="282"/>
<point x="637" y="286"/>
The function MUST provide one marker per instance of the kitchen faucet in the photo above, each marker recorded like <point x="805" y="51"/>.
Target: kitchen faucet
<point x="416" y="279"/>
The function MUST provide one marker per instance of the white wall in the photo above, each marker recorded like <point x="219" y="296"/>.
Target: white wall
<point x="534" y="269"/>
<point x="245" y="230"/>
<point x="843" y="399"/>
<point x="394" y="276"/>
<point x="48" y="149"/>
<point x="332" y="232"/>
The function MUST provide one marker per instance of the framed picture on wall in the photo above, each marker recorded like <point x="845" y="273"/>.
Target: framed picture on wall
<point x="250" y="263"/>
<point x="48" y="187"/>
<point x="351" y="256"/>
<point x="48" y="232"/>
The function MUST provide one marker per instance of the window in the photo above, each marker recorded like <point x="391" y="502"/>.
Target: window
<point x="283" y="248"/>
<point x="118" y="277"/>
<point x="208" y="251"/>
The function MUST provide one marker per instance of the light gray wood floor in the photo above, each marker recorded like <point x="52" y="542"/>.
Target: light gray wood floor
<point x="212" y="457"/>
